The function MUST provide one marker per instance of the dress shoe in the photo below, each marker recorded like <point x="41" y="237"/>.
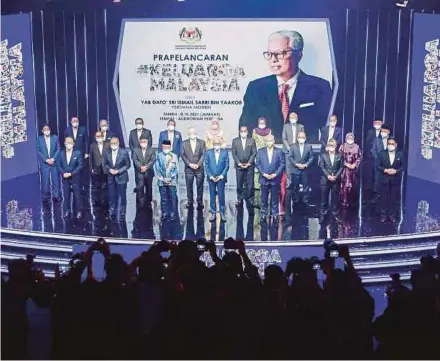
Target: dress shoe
<point x="79" y="215"/>
<point x="392" y="219"/>
<point x="66" y="215"/>
<point x="383" y="219"/>
<point x="190" y="205"/>
<point x="223" y="218"/>
<point x="212" y="218"/>
<point x="200" y="206"/>
<point x="239" y="204"/>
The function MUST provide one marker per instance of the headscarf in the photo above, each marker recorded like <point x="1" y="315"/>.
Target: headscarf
<point x="350" y="147"/>
<point x="212" y="133"/>
<point x="262" y="132"/>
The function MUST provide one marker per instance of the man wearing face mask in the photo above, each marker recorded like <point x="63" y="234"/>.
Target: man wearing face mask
<point x="173" y="136"/>
<point x="70" y="164"/>
<point x="389" y="165"/>
<point x="98" y="148"/>
<point x="137" y="133"/>
<point x="106" y="133"/>
<point x="193" y="155"/>
<point x="270" y="164"/>
<point x="331" y="166"/>
<point x="117" y="163"/>
<point x="144" y="158"/>
<point x="166" y="169"/>
<point x="217" y="166"/>
<point x="244" y="151"/>
<point x="48" y="149"/>
<point x="369" y="168"/>
<point x="300" y="159"/>
<point x="380" y="144"/>
<point x="331" y="131"/>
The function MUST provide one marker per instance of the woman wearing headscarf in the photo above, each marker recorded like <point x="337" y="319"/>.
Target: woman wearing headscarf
<point x="213" y="132"/>
<point x="352" y="156"/>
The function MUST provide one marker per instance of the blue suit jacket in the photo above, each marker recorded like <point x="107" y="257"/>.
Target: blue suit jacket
<point x="311" y="102"/>
<point x="75" y="165"/>
<point x="177" y="143"/>
<point x="276" y="166"/>
<point x="122" y="165"/>
<point x="337" y="135"/>
<point x="221" y="168"/>
<point x="377" y="147"/>
<point x="43" y="155"/>
<point x="81" y="140"/>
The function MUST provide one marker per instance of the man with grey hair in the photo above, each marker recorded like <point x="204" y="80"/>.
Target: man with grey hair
<point x="287" y="90"/>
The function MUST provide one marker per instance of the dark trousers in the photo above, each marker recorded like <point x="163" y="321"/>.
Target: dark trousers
<point x="274" y="191"/>
<point x="245" y="185"/>
<point x="50" y="174"/>
<point x="189" y="179"/>
<point x="168" y="202"/>
<point x="296" y="180"/>
<point x="217" y="188"/>
<point x="72" y="187"/>
<point x="330" y="189"/>
<point x="144" y="188"/>
<point x="389" y="193"/>
<point x="117" y="192"/>
<point x="85" y="176"/>
<point x="99" y="189"/>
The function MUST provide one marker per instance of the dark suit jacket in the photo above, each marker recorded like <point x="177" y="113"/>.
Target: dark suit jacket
<point x="43" y="155"/>
<point x="198" y="157"/>
<point x="109" y="135"/>
<point x="383" y="162"/>
<point x="221" y="168"/>
<point x="96" y="159"/>
<point x="311" y="101"/>
<point x="337" y="135"/>
<point x="295" y="157"/>
<point x="377" y="147"/>
<point x="122" y="165"/>
<point x="177" y="142"/>
<point x="244" y="156"/>
<point x="133" y="141"/>
<point x="370" y="140"/>
<point x="81" y="140"/>
<point x="74" y="166"/>
<point x="329" y="169"/>
<point x="148" y="160"/>
<point x="288" y="140"/>
<point x="276" y="166"/>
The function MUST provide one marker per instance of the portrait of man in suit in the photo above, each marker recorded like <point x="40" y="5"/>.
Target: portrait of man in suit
<point x="288" y="89"/>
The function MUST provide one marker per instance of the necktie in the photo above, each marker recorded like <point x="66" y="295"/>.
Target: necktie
<point x="284" y="100"/>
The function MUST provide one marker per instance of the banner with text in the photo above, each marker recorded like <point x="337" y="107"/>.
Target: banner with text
<point x="424" y="125"/>
<point x="192" y="71"/>
<point x="17" y="107"/>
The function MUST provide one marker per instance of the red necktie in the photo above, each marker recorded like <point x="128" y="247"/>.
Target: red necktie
<point x="284" y="100"/>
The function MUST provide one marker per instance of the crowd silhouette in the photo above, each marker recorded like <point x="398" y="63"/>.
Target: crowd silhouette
<point x="175" y="307"/>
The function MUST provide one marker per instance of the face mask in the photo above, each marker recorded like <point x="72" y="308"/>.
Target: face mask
<point x="261" y="126"/>
<point x="269" y="144"/>
<point x="114" y="147"/>
<point x="301" y="140"/>
<point x="139" y="126"/>
<point x="384" y="135"/>
<point x="104" y="128"/>
<point x="293" y="120"/>
<point x="216" y="147"/>
<point x="243" y="134"/>
<point x="331" y="149"/>
<point x="69" y="146"/>
<point x="192" y="136"/>
<point x="99" y="140"/>
<point x="391" y="148"/>
<point x="166" y="151"/>
<point x="46" y="133"/>
<point x="75" y="125"/>
<point x="214" y="126"/>
<point x="350" y="141"/>
<point x="170" y="128"/>
<point x="332" y="124"/>
<point x="144" y="145"/>
<point x="377" y="126"/>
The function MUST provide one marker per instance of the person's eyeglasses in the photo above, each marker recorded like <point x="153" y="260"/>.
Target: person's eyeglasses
<point x="277" y="54"/>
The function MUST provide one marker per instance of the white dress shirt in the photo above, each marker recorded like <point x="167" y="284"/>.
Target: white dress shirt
<point x="193" y="144"/>
<point x="100" y="146"/>
<point x="143" y="152"/>
<point x="331" y="132"/>
<point x="47" y="140"/>
<point x="75" y="133"/>
<point x="292" y="82"/>
<point x="114" y="155"/>
<point x="243" y="143"/>
<point x="269" y="154"/>
<point x="392" y="157"/>
<point x="301" y="150"/>
<point x="171" y="138"/>
<point x="377" y="132"/>
<point x="384" y="142"/>
<point x="332" y="158"/>
<point x="68" y="156"/>
<point x="217" y="156"/>
<point x="139" y="133"/>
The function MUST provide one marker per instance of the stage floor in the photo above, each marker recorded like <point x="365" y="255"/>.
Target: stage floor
<point x="22" y="209"/>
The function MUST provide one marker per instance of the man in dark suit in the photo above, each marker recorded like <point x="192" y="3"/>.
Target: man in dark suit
<point x="98" y="148"/>
<point x="244" y="151"/>
<point x="331" y="131"/>
<point x="216" y="167"/>
<point x="331" y="165"/>
<point x="48" y="149"/>
<point x="300" y="158"/>
<point x="117" y="163"/>
<point x="379" y="145"/>
<point x="270" y="164"/>
<point x="287" y="90"/>
<point x="106" y="132"/>
<point x="369" y="167"/>
<point x="173" y="136"/>
<point x="69" y="164"/>
<point x="144" y="158"/>
<point x="390" y="165"/>
<point x="81" y="143"/>
<point x="193" y="155"/>
<point x="137" y="133"/>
